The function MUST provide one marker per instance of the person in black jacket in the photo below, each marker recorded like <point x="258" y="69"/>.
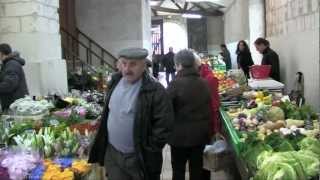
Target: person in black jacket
<point x="244" y="58"/>
<point x="155" y="65"/>
<point x="190" y="96"/>
<point x="225" y="53"/>
<point x="270" y="57"/>
<point x="168" y="63"/>
<point x="135" y="122"/>
<point x="13" y="83"/>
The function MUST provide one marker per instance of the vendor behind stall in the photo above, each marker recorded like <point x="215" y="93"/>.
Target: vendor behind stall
<point x="270" y="57"/>
<point x="13" y="83"/>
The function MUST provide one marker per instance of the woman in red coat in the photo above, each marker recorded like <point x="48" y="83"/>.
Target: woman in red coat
<point x="206" y="73"/>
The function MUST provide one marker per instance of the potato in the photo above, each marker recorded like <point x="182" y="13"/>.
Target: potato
<point x="272" y="126"/>
<point x="263" y="130"/>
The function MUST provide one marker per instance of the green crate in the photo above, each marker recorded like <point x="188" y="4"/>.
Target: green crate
<point x="235" y="140"/>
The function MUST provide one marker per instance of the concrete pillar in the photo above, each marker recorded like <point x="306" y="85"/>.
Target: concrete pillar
<point x="32" y="28"/>
<point x="146" y="25"/>
<point x="116" y="24"/>
<point x="257" y="26"/>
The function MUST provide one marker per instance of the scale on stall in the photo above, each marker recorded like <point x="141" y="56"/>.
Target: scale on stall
<point x="269" y="84"/>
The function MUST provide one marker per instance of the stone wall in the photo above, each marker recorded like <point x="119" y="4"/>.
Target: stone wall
<point x="115" y="24"/>
<point x="293" y="30"/>
<point x="290" y="16"/>
<point x="32" y="28"/>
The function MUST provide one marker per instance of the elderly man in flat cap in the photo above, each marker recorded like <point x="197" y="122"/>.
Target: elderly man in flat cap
<point x="135" y="123"/>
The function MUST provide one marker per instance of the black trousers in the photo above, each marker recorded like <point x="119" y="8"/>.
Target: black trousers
<point x="120" y="166"/>
<point x="180" y="156"/>
<point x="173" y="75"/>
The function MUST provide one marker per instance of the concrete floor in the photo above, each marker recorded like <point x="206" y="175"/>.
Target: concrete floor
<point x="167" y="169"/>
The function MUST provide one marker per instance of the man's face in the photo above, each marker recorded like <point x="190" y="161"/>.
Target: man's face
<point x="132" y="70"/>
<point x="171" y="49"/>
<point x="260" y="47"/>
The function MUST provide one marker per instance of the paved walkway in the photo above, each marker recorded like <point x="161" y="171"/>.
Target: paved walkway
<point x="167" y="169"/>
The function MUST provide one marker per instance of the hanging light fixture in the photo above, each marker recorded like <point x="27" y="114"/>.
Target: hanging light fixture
<point x="154" y="3"/>
<point x="192" y="16"/>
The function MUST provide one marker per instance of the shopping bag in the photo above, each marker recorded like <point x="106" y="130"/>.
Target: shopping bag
<point x="217" y="155"/>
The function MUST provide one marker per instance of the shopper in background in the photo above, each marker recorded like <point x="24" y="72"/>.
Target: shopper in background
<point x="244" y="58"/>
<point x="225" y="53"/>
<point x="168" y="63"/>
<point x="270" y="57"/>
<point x="135" y="123"/>
<point x="13" y="83"/>
<point x="191" y="99"/>
<point x="155" y="65"/>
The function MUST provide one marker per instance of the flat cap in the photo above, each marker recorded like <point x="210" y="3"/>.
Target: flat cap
<point x="133" y="53"/>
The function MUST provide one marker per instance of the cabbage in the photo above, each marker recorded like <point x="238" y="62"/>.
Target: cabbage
<point x="275" y="114"/>
<point x="277" y="171"/>
<point x="281" y="165"/>
<point x="311" y="144"/>
<point x="289" y="165"/>
<point x="309" y="162"/>
<point x="263" y="156"/>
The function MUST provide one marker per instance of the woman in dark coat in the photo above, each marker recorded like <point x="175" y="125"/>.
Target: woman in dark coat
<point x="191" y="100"/>
<point x="244" y="58"/>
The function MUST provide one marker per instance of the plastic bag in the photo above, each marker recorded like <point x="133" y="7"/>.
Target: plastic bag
<point x="217" y="155"/>
<point x="238" y="75"/>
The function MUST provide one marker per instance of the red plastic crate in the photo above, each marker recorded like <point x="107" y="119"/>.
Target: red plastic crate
<point x="260" y="71"/>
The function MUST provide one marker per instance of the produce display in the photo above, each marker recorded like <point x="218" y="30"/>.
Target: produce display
<point x="54" y="147"/>
<point x="225" y="83"/>
<point x="28" y="107"/>
<point x="279" y="139"/>
<point x="81" y="107"/>
<point x="231" y="85"/>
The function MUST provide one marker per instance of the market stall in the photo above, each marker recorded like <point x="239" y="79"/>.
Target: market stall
<point x="271" y="137"/>
<point x="49" y="138"/>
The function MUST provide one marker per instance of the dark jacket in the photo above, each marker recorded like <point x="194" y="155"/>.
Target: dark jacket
<point x="13" y="83"/>
<point x="271" y="58"/>
<point x="227" y="58"/>
<point x="244" y="60"/>
<point x="168" y="62"/>
<point x="191" y="99"/>
<point x="155" y="66"/>
<point x="153" y="120"/>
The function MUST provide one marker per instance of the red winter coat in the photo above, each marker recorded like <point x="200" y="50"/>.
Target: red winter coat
<point x="206" y="73"/>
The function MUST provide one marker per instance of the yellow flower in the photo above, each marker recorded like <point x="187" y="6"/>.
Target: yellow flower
<point x="81" y="166"/>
